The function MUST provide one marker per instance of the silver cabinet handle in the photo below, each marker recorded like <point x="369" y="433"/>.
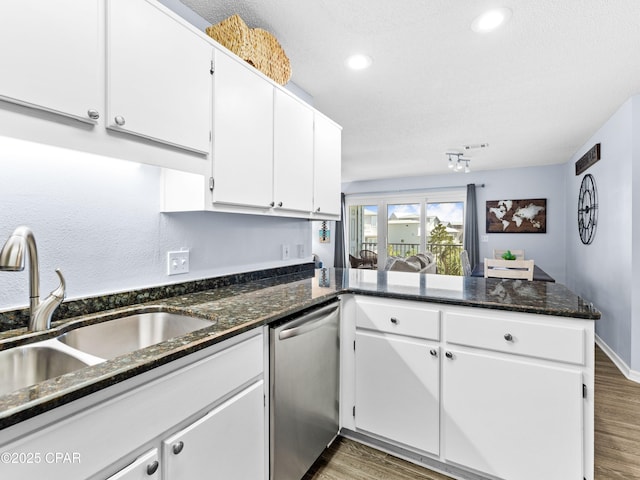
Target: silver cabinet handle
<point x="177" y="447"/>
<point x="93" y="114"/>
<point x="433" y="352"/>
<point x="119" y="120"/>
<point x="152" y="468"/>
<point x="394" y="320"/>
<point x="508" y="337"/>
<point x="448" y="355"/>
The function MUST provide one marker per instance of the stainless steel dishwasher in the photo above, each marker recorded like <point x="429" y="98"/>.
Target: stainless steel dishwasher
<point x="304" y="381"/>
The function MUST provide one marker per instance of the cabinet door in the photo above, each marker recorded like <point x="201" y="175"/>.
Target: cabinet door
<point x="326" y="166"/>
<point x="159" y="79"/>
<point x="243" y="135"/>
<point x="145" y="467"/>
<point x="229" y="442"/>
<point x="397" y="390"/>
<point x="292" y="154"/>
<point x="512" y="419"/>
<point x="50" y="55"/>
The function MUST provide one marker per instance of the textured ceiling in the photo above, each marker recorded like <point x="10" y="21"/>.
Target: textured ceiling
<point x="535" y="89"/>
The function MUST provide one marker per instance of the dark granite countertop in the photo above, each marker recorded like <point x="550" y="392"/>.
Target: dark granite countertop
<point x="238" y="307"/>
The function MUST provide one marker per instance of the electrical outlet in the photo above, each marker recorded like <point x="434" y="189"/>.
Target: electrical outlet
<point x="484" y="238"/>
<point x="285" y="251"/>
<point x="178" y="262"/>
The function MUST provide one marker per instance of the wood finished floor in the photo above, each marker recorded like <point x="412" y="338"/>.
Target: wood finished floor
<point x="617" y="440"/>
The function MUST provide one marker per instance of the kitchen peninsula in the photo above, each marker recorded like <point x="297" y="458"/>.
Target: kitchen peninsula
<point x="514" y="355"/>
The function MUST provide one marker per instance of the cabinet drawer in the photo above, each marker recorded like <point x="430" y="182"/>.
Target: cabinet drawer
<point x="553" y="342"/>
<point x="401" y="317"/>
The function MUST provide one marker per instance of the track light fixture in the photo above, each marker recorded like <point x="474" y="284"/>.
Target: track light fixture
<point x="457" y="162"/>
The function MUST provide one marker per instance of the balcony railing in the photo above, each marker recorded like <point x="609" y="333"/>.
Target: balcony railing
<point x="447" y="255"/>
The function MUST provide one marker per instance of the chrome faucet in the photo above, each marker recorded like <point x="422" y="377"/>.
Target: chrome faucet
<point x="12" y="260"/>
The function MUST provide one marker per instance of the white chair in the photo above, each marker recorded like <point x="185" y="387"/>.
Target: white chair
<point x="466" y="264"/>
<point x="498" y="268"/>
<point x="518" y="253"/>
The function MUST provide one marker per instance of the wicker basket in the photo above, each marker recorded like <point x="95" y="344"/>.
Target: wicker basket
<point x="255" y="46"/>
<point x="234" y="34"/>
<point x="269" y="57"/>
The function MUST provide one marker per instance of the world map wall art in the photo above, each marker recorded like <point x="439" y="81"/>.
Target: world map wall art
<point x="517" y="216"/>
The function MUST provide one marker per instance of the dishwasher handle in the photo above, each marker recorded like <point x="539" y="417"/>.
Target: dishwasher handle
<point x="309" y="322"/>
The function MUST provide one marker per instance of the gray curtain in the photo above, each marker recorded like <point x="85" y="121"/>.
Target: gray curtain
<point x="339" y="257"/>
<point x="471" y="244"/>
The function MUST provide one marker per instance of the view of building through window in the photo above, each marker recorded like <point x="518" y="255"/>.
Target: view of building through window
<point x="408" y="229"/>
<point x="445" y="229"/>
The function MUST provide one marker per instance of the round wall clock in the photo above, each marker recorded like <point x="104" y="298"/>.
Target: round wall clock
<point x="587" y="209"/>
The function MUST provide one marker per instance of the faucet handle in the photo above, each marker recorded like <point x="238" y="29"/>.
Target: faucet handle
<point x="61" y="290"/>
<point x="41" y="315"/>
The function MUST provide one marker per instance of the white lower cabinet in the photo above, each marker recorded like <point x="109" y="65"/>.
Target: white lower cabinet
<point x="514" y="419"/>
<point x="507" y="395"/>
<point x="145" y="467"/>
<point x="397" y="372"/>
<point x="397" y="390"/>
<point x="212" y="402"/>
<point x="226" y="443"/>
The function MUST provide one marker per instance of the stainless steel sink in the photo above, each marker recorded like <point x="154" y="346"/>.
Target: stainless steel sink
<point x="123" y="335"/>
<point x="30" y="364"/>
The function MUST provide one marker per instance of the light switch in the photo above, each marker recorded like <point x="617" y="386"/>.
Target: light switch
<point x="178" y="262"/>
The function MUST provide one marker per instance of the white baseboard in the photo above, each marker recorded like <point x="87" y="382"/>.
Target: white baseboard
<point x="632" y="375"/>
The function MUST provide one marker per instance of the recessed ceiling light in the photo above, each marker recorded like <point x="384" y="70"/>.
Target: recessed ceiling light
<point x="358" y="61"/>
<point x="491" y="20"/>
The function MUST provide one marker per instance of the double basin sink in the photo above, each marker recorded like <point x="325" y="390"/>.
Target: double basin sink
<point x="33" y="363"/>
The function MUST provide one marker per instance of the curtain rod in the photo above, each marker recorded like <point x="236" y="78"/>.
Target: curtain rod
<point x="414" y="190"/>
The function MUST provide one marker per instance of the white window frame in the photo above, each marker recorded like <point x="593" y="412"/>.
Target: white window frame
<point x="383" y="199"/>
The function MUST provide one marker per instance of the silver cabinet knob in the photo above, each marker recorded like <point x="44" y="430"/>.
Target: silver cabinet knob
<point x="93" y="114"/>
<point x="279" y="204"/>
<point x="433" y="352"/>
<point x="177" y="447"/>
<point x="119" y="120"/>
<point x="272" y="204"/>
<point x="152" y="468"/>
<point x="318" y="209"/>
<point x="394" y="320"/>
<point x="508" y="337"/>
<point x="448" y="355"/>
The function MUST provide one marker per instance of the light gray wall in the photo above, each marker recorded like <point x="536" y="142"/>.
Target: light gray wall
<point x="99" y="220"/>
<point x="635" y="232"/>
<point x="603" y="271"/>
<point x="548" y="250"/>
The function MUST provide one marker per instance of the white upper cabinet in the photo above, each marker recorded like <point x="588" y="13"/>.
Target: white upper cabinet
<point x="243" y="135"/>
<point x="154" y="89"/>
<point x="50" y="52"/>
<point x="326" y="167"/>
<point x="292" y="153"/>
<point x="158" y="76"/>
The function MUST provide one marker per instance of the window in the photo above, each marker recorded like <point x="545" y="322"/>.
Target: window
<point x="389" y="227"/>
